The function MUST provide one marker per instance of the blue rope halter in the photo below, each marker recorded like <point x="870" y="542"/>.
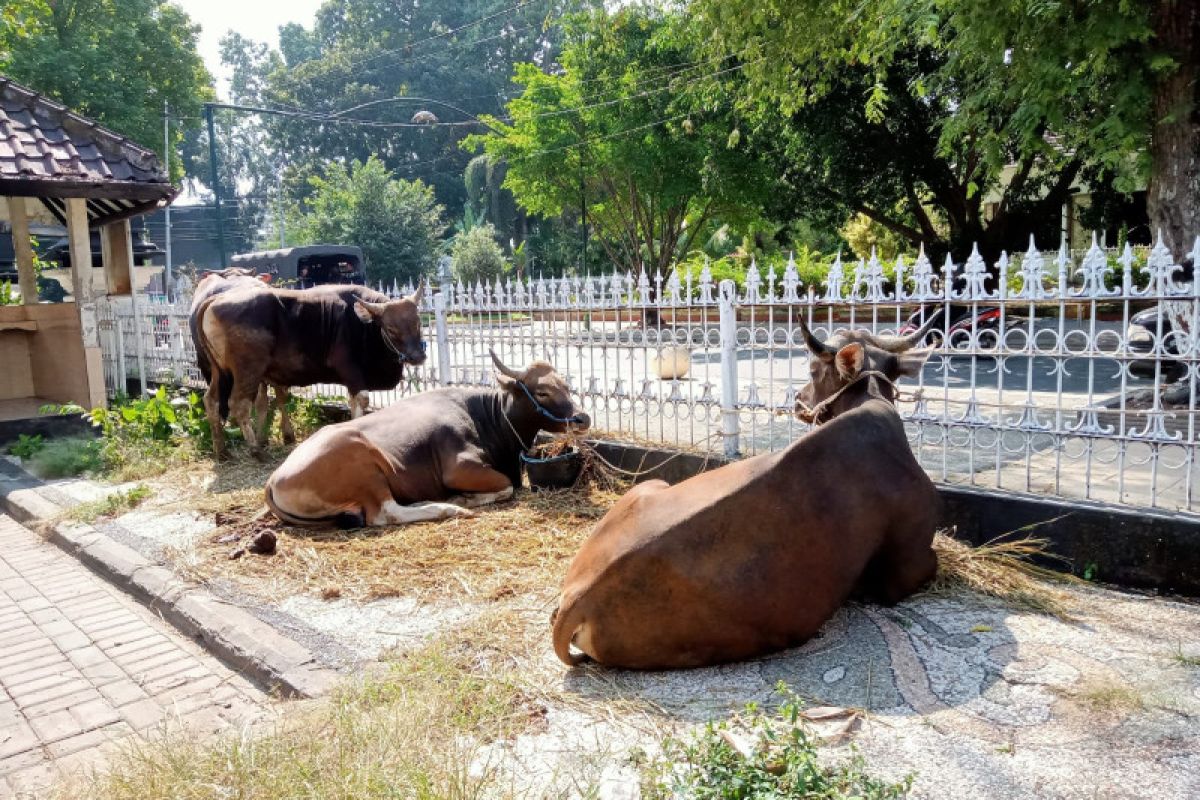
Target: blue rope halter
<point x="545" y="412"/>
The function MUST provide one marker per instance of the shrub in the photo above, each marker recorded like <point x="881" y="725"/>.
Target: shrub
<point x="476" y="255"/>
<point x="26" y="446"/>
<point x="68" y="458"/>
<point x="141" y="436"/>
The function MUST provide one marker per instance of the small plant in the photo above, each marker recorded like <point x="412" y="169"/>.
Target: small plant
<point x="783" y="763"/>
<point x="1090" y="570"/>
<point x="68" y="458"/>
<point x="1184" y="659"/>
<point x="142" y="436"/>
<point x="26" y="446"/>
<point x="112" y="504"/>
<point x="7" y="296"/>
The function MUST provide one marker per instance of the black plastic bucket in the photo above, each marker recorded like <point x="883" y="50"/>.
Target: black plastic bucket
<point x="557" y="472"/>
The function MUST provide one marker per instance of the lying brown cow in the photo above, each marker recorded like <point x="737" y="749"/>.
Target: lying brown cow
<point x="755" y="556"/>
<point x="429" y="456"/>
<point x="329" y="334"/>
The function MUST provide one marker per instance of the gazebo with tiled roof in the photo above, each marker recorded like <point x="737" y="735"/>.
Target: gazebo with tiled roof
<point x="56" y="165"/>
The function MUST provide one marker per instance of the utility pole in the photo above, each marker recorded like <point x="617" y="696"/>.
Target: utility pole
<point x="215" y="180"/>
<point x="167" y="285"/>
<point x="279" y="189"/>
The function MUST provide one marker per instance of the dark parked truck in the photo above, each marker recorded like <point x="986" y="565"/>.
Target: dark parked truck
<point x="307" y="266"/>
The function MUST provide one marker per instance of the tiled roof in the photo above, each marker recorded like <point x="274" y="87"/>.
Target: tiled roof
<point x="48" y="150"/>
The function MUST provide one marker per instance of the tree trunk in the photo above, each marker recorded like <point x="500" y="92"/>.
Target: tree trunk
<point x="1173" y="196"/>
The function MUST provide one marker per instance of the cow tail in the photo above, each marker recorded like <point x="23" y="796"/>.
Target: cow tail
<point x="565" y="623"/>
<point x="208" y="364"/>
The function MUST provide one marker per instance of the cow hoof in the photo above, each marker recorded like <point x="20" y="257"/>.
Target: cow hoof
<point x="465" y="512"/>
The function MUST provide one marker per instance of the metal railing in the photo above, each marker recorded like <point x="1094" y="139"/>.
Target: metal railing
<point x="1040" y="380"/>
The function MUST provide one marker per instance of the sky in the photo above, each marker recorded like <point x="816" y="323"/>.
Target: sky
<point x="257" y="19"/>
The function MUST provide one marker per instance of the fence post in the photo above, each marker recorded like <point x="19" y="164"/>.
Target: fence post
<point x="443" y="339"/>
<point x="729" y="385"/>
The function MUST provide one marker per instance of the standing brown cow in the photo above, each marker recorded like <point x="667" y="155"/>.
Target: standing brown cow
<point x="350" y="335"/>
<point x="756" y="556"/>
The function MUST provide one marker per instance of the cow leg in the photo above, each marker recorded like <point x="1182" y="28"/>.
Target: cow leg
<point x="212" y="410"/>
<point x="262" y="407"/>
<point x="282" y="397"/>
<point x="477" y="483"/>
<point x="358" y="403"/>
<point x="241" y="402"/>
<point x="392" y="513"/>
<point x="906" y="562"/>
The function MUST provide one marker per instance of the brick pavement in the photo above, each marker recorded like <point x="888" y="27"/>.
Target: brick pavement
<point x="82" y="665"/>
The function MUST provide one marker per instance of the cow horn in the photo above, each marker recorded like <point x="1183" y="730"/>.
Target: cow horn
<point x="512" y="373"/>
<point x="415" y="297"/>
<point x="815" y="345"/>
<point x="902" y="344"/>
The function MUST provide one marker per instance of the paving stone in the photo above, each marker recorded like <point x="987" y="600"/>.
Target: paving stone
<point x="82" y="665"/>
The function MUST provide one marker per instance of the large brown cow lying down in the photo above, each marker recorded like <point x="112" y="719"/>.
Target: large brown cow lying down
<point x="429" y="456"/>
<point x="755" y="556"/>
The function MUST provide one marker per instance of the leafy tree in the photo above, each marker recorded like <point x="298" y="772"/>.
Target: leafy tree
<point x="116" y="61"/>
<point x="476" y="255"/>
<point x="650" y="167"/>
<point x="1106" y="86"/>
<point x="396" y="222"/>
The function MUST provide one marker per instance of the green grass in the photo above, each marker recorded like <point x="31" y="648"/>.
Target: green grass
<point x="67" y="458"/>
<point x="777" y="758"/>
<point x="1185" y="659"/>
<point x="111" y="504"/>
<point x="413" y="732"/>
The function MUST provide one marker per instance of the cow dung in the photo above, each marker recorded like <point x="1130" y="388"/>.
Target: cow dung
<point x="263" y="543"/>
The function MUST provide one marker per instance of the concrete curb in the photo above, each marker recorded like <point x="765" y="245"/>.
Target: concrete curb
<point x="229" y="632"/>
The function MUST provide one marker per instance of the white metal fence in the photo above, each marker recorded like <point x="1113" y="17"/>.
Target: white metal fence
<point x="1042" y="384"/>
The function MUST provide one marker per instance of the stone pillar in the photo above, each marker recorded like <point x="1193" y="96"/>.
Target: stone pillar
<point x="116" y="247"/>
<point x="23" y="250"/>
<point x="85" y="298"/>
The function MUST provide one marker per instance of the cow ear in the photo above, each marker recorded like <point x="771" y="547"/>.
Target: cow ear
<point x="415" y="297"/>
<point x="912" y="362"/>
<point x="850" y="361"/>
<point x="367" y="312"/>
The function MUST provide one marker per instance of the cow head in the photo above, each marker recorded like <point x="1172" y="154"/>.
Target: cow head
<point x="542" y="393"/>
<point x="399" y="324"/>
<point x="850" y="358"/>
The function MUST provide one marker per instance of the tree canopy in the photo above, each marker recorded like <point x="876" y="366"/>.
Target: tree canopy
<point x="116" y="61"/>
<point x="1036" y="86"/>
<point x="615" y="134"/>
<point x="397" y="223"/>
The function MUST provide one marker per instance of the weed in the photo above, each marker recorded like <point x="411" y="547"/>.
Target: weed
<point x="780" y="761"/>
<point x="26" y="446"/>
<point x="1109" y="696"/>
<point x="419" y="729"/>
<point x="111" y="504"/>
<point x="67" y="458"/>
<point x="142" y="437"/>
<point x="1090" y="570"/>
<point x="1184" y="659"/>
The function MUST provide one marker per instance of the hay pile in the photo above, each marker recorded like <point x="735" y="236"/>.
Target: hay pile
<point x="514" y="548"/>
<point x="1001" y="569"/>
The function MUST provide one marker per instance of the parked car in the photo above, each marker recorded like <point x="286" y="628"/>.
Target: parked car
<point x="1141" y="333"/>
<point x="964" y="319"/>
<point x="307" y="266"/>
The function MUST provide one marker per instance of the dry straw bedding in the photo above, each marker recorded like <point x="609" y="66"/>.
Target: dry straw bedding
<point x="520" y="548"/>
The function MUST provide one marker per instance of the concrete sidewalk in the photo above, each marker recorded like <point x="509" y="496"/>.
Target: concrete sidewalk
<point x="83" y="666"/>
